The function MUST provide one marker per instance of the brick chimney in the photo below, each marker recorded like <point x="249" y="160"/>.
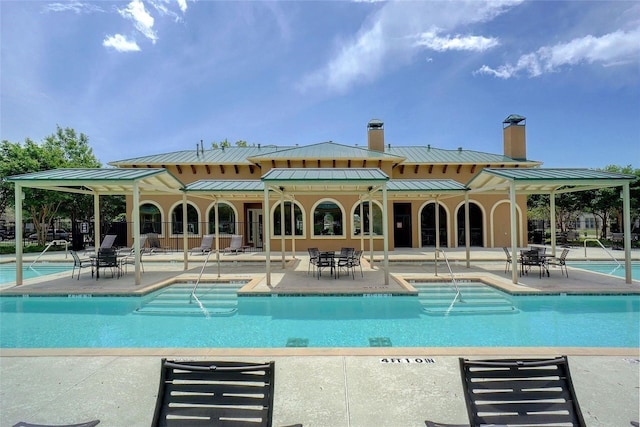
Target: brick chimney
<point x="514" y="135"/>
<point x="375" y="132"/>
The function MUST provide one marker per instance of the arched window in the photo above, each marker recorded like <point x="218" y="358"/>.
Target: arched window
<point x="192" y="219"/>
<point x="297" y="215"/>
<point x="361" y="222"/>
<point x="327" y="219"/>
<point x="227" y="218"/>
<point x="150" y="219"/>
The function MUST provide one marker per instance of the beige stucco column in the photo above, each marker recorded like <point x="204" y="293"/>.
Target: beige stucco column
<point x="626" y="211"/>
<point x="136" y="233"/>
<point x="18" y="233"/>
<point x="514" y="233"/>
<point x="266" y="240"/>
<point x="467" y="230"/>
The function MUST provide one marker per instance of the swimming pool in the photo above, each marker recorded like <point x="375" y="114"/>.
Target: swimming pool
<point x="8" y="271"/>
<point x="220" y="319"/>
<point x="609" y="267"/>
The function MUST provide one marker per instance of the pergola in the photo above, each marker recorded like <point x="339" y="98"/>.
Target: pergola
<point x="552" y="182"/>
<point x="97" y="182"/>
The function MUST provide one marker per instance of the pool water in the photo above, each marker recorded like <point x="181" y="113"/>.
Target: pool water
<point x="220" y="319"/>
<point x="610" y="268"/>
<point x="8" y="271"/>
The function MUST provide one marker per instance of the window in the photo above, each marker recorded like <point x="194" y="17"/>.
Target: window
<point x="327" y="219"/>
<point x="361" y="222"/>
<point x="192" y="219"/>
<point x="150" y="219"/>
<point x="227" y="218"/>
<point x="589" y="223"/>
<point x="297" y="214"/>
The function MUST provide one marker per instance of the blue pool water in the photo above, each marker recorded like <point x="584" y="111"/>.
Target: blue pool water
<point x="8" y="271"/>
<point x="611" y="268"/>
<point x="219" y="319"/>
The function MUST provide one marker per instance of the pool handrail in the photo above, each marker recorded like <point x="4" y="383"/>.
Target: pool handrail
<point x="591" y="239"/>
<point x="453" y="277"/>
<point x="204" y="265"/>
<point x="51" y="243"/>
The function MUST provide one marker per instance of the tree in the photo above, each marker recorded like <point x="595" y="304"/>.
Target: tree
<point x="63" y="149"/>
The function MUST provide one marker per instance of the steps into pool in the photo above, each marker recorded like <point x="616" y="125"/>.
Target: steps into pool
<point x="437" y="299"/>
<point x="212" y="299"/>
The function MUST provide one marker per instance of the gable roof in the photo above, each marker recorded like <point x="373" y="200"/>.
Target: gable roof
<point x="112" y="181"/>
<point x="327" y="150"/>
<point x="544" y="181"/>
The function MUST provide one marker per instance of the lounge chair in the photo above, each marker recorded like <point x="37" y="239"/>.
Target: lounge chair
<point x="236" y="244"/>
<point x="154" y="243"/>
<point x="205" y="245"/>
<point x="507" y="266"/>
<point x="531" y="392"/>
<point x="198" y="393"/>
<point x="80" y="263"/>
<point x="87" y="424"/>
<point x="108" y="241"/>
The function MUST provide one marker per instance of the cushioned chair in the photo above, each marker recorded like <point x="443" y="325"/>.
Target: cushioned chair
<point x="205" y="244"/>
<point x="199" y="393"/>
<point x="236" y="244"/>
<point x="519" y="392"/>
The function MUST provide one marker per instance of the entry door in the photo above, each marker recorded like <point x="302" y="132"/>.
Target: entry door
<point x="254" y="225"/>
<point x="402" y="225"/>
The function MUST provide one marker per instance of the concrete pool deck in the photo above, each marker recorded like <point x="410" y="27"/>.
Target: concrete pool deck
<point x="325" y="387"/>
<point x="315" y="390"/>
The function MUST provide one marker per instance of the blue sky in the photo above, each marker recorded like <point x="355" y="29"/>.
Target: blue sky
<point x="151" y="76"/>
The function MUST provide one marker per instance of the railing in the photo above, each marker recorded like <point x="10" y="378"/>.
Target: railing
<point x="453" y="277"/>
<point x="193" y="291"/>
<point x="46" y="248"/>
<point x="603" y="247"/>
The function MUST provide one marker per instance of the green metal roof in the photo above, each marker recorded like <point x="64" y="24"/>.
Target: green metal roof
<point x="328" y="150"/>
<point x="319" y="174"/>
<point x="425" y="185"/>
<point x="431" y="155"/>
<point x="539" y="180"/>
<point x="236" y="185"/>
<point x="101" y="180"/>
<point x="224" y="156"/>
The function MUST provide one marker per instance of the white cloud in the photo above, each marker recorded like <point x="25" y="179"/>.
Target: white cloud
<point x="120" y="43"/>
<point x="142" y="20"/>
<point x="73" y="6"/>
<point x="182" y="4"/>
<point x="431" y="40"/>
<point x="388" y="39"/>
<point x="611" y="49"/>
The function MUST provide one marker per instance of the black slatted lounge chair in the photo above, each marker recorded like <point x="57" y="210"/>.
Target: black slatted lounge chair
<point x="206" y="393"/>
<point x="531" y="392"/>
<point x="87" y="424"/>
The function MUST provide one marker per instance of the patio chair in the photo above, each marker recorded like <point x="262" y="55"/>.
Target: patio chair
<point x="87" y="424"/>
<point x="80" y="263"/>
<point x="531" y="392"/>
<point x="205" y="244"/>
<point x="154" y="243"/>
<point x="561" y="261"/>
<point x="236" y="244"/>
<point x="130" y="258"/>
<point x="507" y="266"/>
<point x="107" y="258"/>
<point x="533" y="259"/>
<point x="314" y="256"/>
<point x="355" y="262"/>
<point x="344" y="260"/>
<point x="229" y="393"/>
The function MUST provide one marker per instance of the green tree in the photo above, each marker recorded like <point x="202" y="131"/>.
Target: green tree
<point x="63" y="149"/>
